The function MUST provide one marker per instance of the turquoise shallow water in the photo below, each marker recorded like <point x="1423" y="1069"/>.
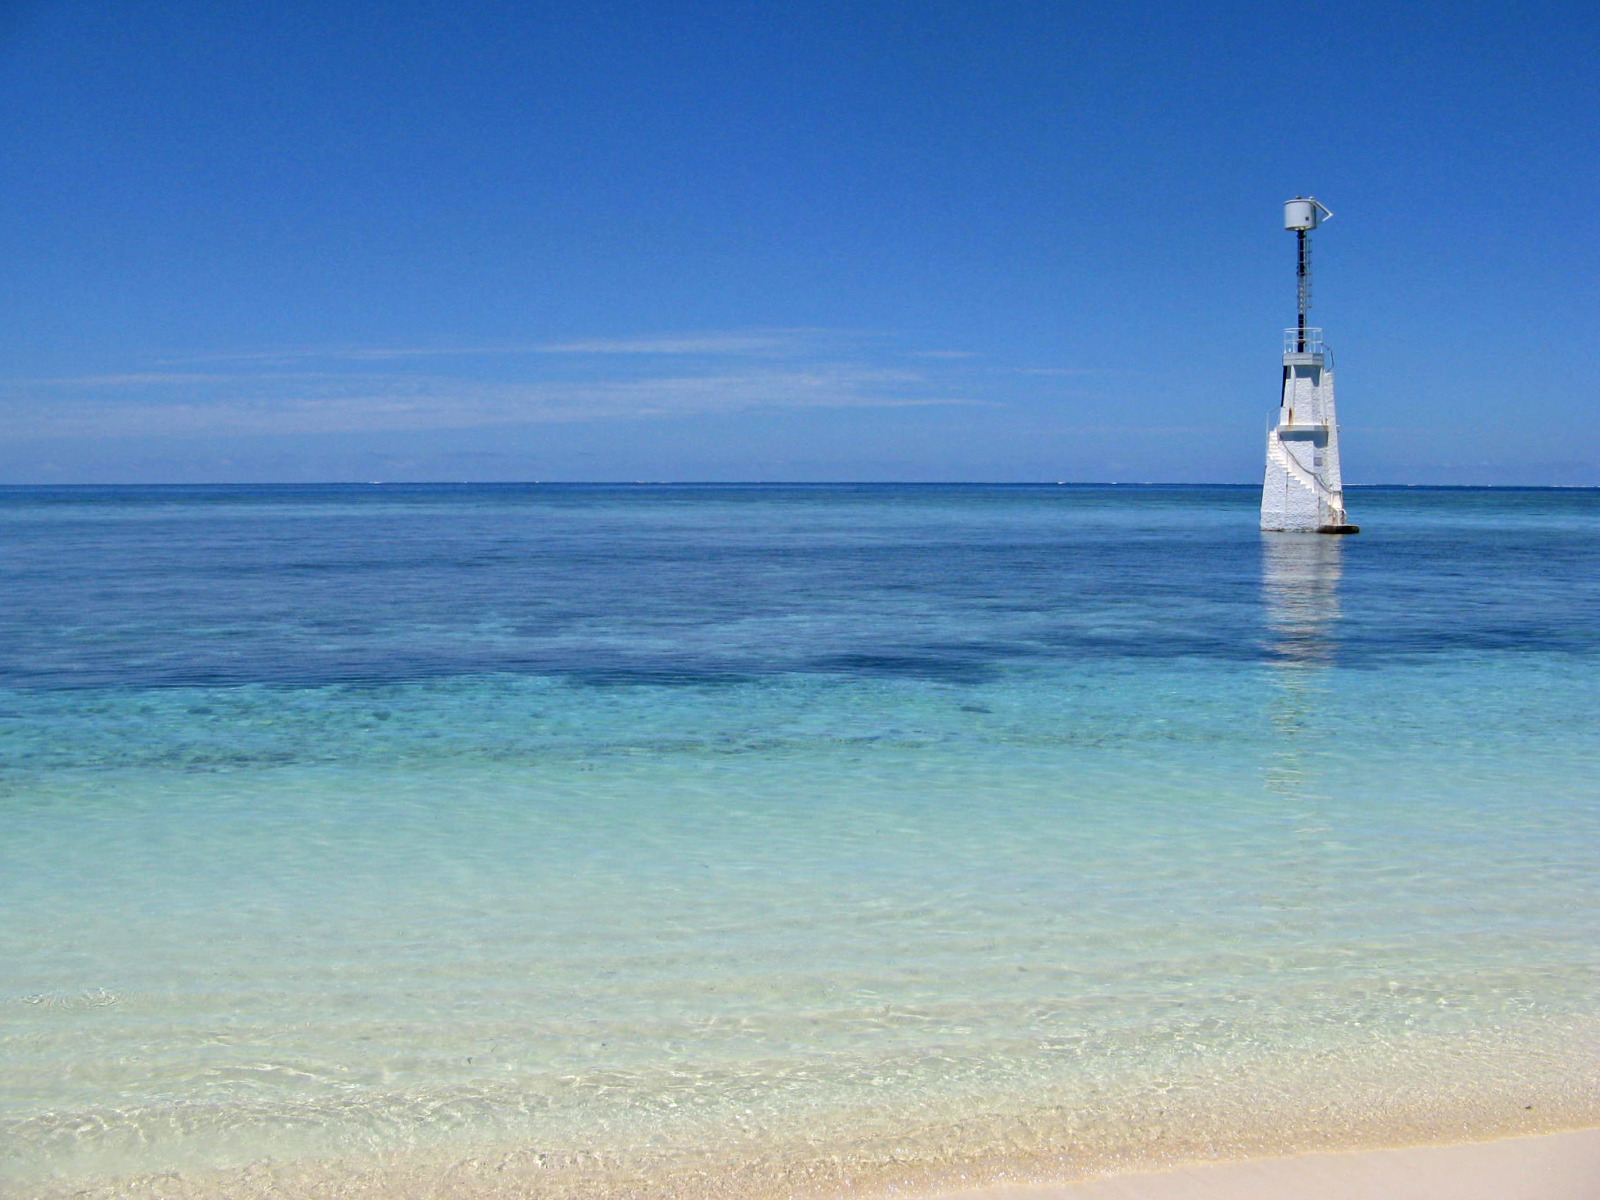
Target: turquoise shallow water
<point x="874" y="834"/>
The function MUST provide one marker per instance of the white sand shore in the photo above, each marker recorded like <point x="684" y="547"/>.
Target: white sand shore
<point x="1561" y="1166"/>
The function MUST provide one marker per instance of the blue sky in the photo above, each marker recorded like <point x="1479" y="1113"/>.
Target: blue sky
<point x="813" y="240"/>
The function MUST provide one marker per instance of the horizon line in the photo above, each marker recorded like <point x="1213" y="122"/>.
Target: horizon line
<point x="817" y="483"/>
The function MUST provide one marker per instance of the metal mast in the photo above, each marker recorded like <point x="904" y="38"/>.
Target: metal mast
<point x="1303" y="291"/>
<point x="1303" y="214"/>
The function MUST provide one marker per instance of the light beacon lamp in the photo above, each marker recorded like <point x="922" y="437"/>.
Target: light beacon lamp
<point x="1302" y="491"/>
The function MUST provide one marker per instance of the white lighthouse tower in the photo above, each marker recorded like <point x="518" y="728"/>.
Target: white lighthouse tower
<point x="1302" y="492"/>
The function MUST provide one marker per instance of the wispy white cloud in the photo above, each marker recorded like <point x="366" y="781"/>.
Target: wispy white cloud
<point x="351" y="354"/>
<point x="706" y="343"/>
<point x="376" y="389"/>
<point x="243" y="404"/>
<point x="1062" y="372"/>
<point x="144" y="379"/>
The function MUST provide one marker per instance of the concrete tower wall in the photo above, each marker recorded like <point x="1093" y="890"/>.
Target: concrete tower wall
<point x="1303" y="491"/>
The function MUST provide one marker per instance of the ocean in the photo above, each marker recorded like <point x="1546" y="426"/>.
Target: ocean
<point x="783" y="840"/>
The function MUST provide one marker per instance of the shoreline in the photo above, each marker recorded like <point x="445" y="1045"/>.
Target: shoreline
<point x="1540" y="1161"/>
<point x="1552" y="1166"/>
<point x="1280" y="1125"/>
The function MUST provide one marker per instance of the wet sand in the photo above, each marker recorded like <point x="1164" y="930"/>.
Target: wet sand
<point x="1562" y="1166"/>
<point x="1559" y="1166"/>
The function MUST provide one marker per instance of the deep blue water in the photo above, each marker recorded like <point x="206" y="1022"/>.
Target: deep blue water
<point x="306" y="586"/>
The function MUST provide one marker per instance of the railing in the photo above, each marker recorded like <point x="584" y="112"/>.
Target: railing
<point x="1277" y="452"/>
<point x="1313" y="341"/>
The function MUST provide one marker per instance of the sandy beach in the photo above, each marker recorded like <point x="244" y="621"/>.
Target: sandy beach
<point x="1561" y="1166"/>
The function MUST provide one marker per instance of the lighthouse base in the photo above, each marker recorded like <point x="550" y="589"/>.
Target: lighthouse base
<point x="1301" y="489"/>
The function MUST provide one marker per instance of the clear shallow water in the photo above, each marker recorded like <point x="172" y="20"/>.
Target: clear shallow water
<point x="819" y="834"/>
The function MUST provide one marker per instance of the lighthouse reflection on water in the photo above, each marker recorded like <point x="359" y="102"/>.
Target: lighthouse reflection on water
<point x="1300" y="595"/>
<point x="1300" y="588"/>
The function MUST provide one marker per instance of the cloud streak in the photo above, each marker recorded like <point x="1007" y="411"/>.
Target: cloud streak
<point x="355" y="390"/>
<point x="309" y="403"/>
<point x="775" y="342"/>
<point x="753" y="342"/>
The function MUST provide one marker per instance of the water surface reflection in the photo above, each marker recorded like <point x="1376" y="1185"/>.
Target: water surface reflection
<point x="1300" y="592"/>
